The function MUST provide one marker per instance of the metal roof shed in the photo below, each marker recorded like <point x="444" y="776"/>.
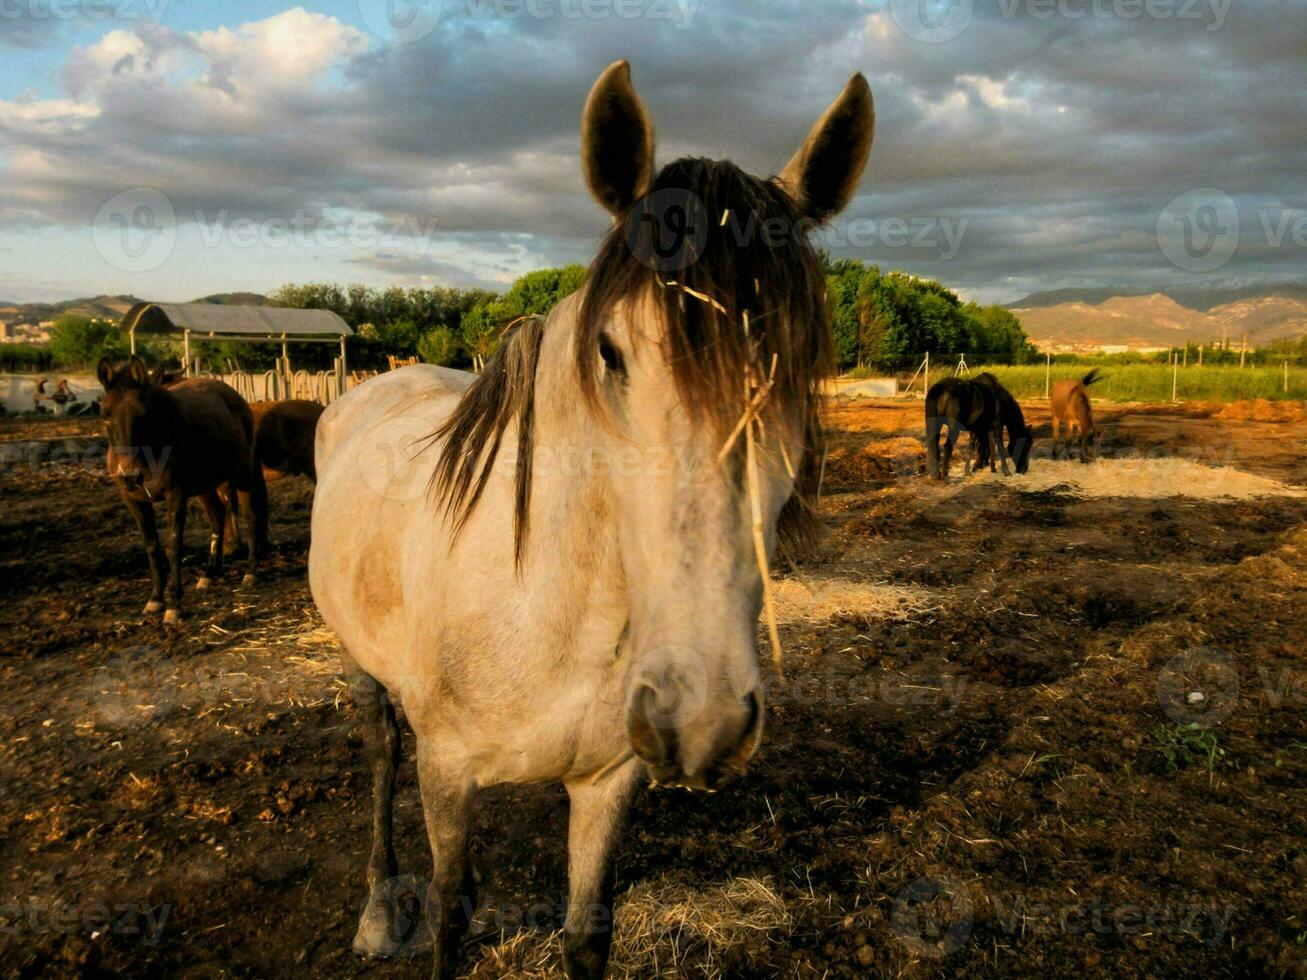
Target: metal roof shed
<point x="253" y="324"/>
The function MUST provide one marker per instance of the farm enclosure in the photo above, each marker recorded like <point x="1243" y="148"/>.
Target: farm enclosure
<point x="985" y="718"/>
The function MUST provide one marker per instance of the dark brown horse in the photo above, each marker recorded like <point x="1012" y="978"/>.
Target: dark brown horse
<point x="171" y="444"/>
<point x="958" y="404"/>
<point x="283" y="446"/>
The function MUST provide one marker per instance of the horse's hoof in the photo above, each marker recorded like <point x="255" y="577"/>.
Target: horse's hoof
<point x="248" y="580"/>
<point x="172" y="616"/>
<point x="374" y="937"/>
<point x="203" y="583"/>
<point x="151" y="607"/>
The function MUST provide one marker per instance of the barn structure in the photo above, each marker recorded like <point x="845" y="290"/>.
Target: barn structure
<point x="246" y="324"/>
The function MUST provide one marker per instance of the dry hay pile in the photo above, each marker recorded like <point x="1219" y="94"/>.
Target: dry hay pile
<point x="663" y="927"/>
<point x="817" y="600"/>
<point x="1168" y="476"/>
<point x="286" y="659"/>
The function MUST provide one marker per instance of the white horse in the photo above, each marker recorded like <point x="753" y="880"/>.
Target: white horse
<point x="582" y="606"/>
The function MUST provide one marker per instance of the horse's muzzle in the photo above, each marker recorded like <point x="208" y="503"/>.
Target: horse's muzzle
<point x="699" y="746"/>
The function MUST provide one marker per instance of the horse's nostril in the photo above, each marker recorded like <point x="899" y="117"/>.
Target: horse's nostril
<point x="652" y="737"/>
<point x="754" y="705"/>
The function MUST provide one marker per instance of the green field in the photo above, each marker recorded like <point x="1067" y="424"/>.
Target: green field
<point x="1152" y="382"/>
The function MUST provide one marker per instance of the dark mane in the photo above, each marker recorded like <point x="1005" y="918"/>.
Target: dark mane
<point x="504" y="392"/>
<point x="745" y="249"/>
<point x="747" y="252"/>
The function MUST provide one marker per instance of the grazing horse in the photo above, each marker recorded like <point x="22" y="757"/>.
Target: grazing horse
<point x="1070" y="407"/>
<point x="573" y="595"/>
<point x="174" y="443"/>
<point x="1010" y="417"/>
<point x="958" y="404"/>
<point x="284" y="433"/>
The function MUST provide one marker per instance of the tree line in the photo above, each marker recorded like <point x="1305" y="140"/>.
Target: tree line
<point x="882" y="321"/>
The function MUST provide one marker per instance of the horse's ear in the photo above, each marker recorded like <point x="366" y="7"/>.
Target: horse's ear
<point x="137" y="371"/>
<point x="104" y="372"/>
<point x="825" y="171"/>
<point x="617" y="141"/>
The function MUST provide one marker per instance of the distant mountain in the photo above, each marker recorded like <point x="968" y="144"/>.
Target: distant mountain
<point x="1166" y="317"/>
<point x="1202" y="296"/>
<point x="106" y="307"/>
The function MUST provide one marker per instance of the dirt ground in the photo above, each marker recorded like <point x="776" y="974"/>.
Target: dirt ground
<point x="1023" y="733"/>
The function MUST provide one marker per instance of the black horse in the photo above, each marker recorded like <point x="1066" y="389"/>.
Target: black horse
<point x="958" y="404"/>
<point x="1020" y="436"/>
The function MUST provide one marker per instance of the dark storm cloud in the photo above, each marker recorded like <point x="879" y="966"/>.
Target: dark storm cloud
<point x="1041" y="143"/>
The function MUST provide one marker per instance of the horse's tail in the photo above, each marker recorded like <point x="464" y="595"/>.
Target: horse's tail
<point x="1090" y="378"/>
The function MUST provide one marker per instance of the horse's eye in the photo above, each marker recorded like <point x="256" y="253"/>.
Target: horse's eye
<point x="611" y="355"/>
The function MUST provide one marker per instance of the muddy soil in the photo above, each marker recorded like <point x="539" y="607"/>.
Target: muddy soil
<point x="1079" y="748"/>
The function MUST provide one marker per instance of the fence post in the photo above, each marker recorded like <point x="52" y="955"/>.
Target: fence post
<point x="925" y="389"/>
<point x="1175" y="378"/>
<point x="1243" y="349"/>
<point x="1048" y="373"/>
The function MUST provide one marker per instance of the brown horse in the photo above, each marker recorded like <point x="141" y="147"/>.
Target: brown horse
<point x="174" y="443"/>
<point x="283" y="446"/>
<point x="1070" y="407"/>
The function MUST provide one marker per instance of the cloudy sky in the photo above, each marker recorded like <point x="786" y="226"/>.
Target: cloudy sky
<point x="172" y="148"/>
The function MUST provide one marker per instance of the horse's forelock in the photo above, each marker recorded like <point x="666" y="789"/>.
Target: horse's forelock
<point x="747" y="260"/>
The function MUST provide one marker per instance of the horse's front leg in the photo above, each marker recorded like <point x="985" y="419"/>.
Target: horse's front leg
<point x="143" y="513"/>
<point x="996" y="446"/>
<point x="451" y="900"/>
<point x="950" y="441"/>
<point x="595" y="823"/>
<point x="176" y="501"/>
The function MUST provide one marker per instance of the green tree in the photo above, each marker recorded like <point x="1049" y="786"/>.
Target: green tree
<point x="439" y="345"/>
<point x="77" y="341"/>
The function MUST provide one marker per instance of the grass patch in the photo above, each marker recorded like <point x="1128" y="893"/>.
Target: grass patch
<point x="1152" y="382"/>
<point x="1182" y="746"/>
